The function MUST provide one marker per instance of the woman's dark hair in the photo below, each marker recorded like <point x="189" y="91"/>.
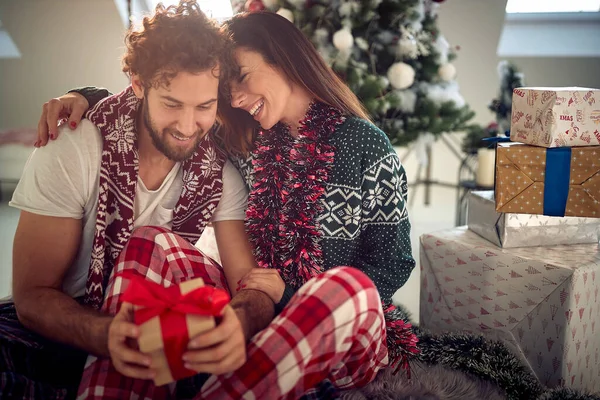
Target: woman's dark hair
<point x="286" y="48"/>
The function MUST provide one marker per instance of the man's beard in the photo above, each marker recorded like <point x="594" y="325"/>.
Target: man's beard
<point x="173" y="153"/>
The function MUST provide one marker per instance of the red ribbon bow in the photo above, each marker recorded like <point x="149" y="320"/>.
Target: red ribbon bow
<point x="172" y="307"/>
<point x="157" y="299"/>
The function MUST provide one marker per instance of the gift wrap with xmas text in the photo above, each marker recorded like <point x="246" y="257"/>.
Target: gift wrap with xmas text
<point x="556" y="117"/>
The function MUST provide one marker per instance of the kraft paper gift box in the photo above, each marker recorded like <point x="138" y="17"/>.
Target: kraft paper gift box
<point x="556" y="117"/>
<point x="169" y="317"/>
<point x="556" y="182"/>
<point x="542" y="302"/>
<point x="526" y="230"/>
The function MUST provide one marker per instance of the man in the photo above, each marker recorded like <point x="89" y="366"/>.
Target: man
<point x="144" y="157"/>
<point x="82" y="196"/>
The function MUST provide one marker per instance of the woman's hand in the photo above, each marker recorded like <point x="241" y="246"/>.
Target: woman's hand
<point x="69" y="107"/>
<point x="267" y="280"/>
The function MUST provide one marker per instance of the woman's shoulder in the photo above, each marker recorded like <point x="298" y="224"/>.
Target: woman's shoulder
<point x="363" y="136"/>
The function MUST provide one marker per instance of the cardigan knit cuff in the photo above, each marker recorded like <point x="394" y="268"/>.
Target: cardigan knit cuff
<point x="285" y="299"/>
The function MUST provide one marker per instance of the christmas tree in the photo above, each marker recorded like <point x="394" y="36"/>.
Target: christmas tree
<point x="501" y="106"/>
<point x="391" y="54"/>
<point x="510" y="79"/>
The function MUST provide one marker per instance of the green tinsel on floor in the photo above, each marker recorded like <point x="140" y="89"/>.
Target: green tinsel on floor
<point x="488" y="360"/>
<point x="566" y="394"/>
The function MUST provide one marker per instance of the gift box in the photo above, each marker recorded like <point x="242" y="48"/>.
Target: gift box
<point x="556" y="117"/>
<point x="526" y="230"/>
<point x="556" y="182"/>
<point x="542" y="302"/>
<point x="169" y="317"/>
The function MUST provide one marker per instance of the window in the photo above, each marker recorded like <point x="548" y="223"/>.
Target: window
<point x="217" y="9"/>
<point x="8" y="48"/>
<point x="551" y="28"/>
<point x="551" y="6"/>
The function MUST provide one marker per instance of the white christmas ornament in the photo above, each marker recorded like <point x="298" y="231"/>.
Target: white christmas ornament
<point x="343" y="39"/>
<point x="401" y="75"/>
<point x="271" y="4"/>
<point x="287" y="14"/>
<point x="447" y="72"/>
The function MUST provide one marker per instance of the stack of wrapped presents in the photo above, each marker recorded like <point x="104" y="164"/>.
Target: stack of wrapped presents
<point x="526" y="270"/>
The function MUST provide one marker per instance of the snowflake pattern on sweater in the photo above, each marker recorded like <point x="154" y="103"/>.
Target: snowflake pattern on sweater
<point x="364" y="222"/>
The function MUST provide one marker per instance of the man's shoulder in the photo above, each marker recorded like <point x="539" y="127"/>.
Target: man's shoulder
<point x="86" y="134"/>
<point x="232" y="179"/>
<point x="85" y="139"/>
<point x="58" y="178"/>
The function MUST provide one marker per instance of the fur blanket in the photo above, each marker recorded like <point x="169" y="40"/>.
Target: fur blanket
<point x="428" y="382"/>
<point x="453" y="366"/>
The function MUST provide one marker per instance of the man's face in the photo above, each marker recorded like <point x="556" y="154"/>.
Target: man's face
<point x="178" y="117"/>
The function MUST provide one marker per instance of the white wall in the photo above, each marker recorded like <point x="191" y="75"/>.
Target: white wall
<point x="64" y="44"/>
<point x="69" y="43"/>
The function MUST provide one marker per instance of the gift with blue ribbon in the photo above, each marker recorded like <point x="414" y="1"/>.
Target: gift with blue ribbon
<point x="561" y="181"/>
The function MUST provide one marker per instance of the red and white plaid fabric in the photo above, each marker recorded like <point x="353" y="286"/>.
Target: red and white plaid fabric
<point x="333" y="328"/>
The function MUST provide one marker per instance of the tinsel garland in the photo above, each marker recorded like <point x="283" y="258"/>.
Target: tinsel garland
<point x="486" y="359"/>
<point x="290" y="178"/>
<point x="565" y="393"/>
<point x="401" y="340"/>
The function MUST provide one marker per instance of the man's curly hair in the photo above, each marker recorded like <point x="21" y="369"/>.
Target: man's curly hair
<point x="175" y="39"/>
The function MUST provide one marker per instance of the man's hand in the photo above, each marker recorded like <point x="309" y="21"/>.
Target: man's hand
<point x="122" y="334"/>
<point x="266" y="280"/>
<point x="220" y="350"/>
<point x="71" y="106"/>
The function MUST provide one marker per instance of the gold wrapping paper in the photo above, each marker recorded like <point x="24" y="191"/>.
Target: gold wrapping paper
<point x="520" y="178"/>
<point x="151" y="338"/>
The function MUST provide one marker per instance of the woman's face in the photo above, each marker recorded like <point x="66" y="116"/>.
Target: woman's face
<point x="261" y="89"/>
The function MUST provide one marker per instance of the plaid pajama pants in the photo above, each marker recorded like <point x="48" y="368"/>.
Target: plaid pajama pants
<point x="332" y="330"/>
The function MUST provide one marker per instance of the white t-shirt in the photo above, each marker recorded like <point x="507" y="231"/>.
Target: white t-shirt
<point x="61" y="180"/>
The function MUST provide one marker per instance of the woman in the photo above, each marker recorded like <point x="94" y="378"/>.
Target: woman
<point x="326" y="186"/>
